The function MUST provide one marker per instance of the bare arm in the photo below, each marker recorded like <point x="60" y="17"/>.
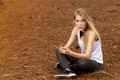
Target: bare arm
<point x="89" y="48"/>
<point x="72" y="37"/>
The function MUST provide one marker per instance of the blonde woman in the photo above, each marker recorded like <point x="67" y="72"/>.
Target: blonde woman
<point x="90" y="58"/>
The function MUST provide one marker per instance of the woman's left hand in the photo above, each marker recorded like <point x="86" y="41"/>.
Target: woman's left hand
<point x="65" y="50"/>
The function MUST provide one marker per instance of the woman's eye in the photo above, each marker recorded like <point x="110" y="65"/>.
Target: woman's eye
<point x="77" y="20"/>
<point x="80" y="20"/>
<point x="83" y="20"/>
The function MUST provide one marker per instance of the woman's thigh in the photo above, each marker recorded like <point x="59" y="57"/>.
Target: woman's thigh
<point x="85" y="65"/>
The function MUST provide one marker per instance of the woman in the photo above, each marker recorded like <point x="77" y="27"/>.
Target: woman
<point x="90" y="59"/>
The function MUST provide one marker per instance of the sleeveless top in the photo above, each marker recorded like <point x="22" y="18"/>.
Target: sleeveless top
<point x="96" y="54"/>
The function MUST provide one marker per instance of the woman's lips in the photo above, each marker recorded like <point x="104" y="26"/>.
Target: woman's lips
<point x="80" y="27"/>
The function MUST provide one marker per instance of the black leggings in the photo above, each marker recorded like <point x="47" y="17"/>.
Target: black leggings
<point x="77" y="65"/>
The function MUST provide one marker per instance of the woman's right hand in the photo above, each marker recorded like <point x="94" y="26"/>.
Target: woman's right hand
<point x="62" y="50"/>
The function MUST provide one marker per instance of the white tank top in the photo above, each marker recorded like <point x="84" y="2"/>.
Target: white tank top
<point x="97" y="50"/>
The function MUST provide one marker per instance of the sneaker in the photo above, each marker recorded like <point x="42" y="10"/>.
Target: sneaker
<point x="66" y="74"/>
<point x="58" y="66"/>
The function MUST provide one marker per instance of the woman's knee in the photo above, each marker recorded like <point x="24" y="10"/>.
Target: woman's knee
<point x="57" y="51"/>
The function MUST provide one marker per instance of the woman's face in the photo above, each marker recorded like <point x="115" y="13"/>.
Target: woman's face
<point x="80" y="22"/>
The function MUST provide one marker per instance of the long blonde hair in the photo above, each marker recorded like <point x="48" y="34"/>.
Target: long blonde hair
<point x="90" y="25"/>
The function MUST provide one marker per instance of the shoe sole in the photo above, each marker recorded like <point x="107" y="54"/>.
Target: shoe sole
<point x="55" y="76"/>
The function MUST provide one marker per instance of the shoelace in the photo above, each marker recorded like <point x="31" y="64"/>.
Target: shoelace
<point x="66" y="72"/>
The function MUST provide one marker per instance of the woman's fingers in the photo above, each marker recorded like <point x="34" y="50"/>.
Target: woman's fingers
<point x="62" y="50"/>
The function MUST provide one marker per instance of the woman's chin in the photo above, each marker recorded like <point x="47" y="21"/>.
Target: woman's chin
<point x="80" y="29"/>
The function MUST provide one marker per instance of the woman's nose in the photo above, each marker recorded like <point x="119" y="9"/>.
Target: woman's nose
<point x="80" y="23"/>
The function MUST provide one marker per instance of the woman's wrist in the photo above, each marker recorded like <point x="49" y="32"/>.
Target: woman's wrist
<point x="69" y="52"/>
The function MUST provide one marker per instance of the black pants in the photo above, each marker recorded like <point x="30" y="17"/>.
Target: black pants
<point x="77" y="65"/>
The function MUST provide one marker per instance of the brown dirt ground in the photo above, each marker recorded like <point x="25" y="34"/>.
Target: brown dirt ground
<point x="31" y="29"/>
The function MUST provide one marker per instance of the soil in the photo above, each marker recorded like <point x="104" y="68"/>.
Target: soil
<point x="30" y="30"/>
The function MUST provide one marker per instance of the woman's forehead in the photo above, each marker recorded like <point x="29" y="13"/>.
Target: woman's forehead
<point x="79" y="17"/>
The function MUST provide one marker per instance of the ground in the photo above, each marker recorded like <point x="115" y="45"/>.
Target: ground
<point x="30" y="30"/>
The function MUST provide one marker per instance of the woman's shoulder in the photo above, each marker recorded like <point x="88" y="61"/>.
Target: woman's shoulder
<point x="92" y="34"/>
<point x="75" y="30"/>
